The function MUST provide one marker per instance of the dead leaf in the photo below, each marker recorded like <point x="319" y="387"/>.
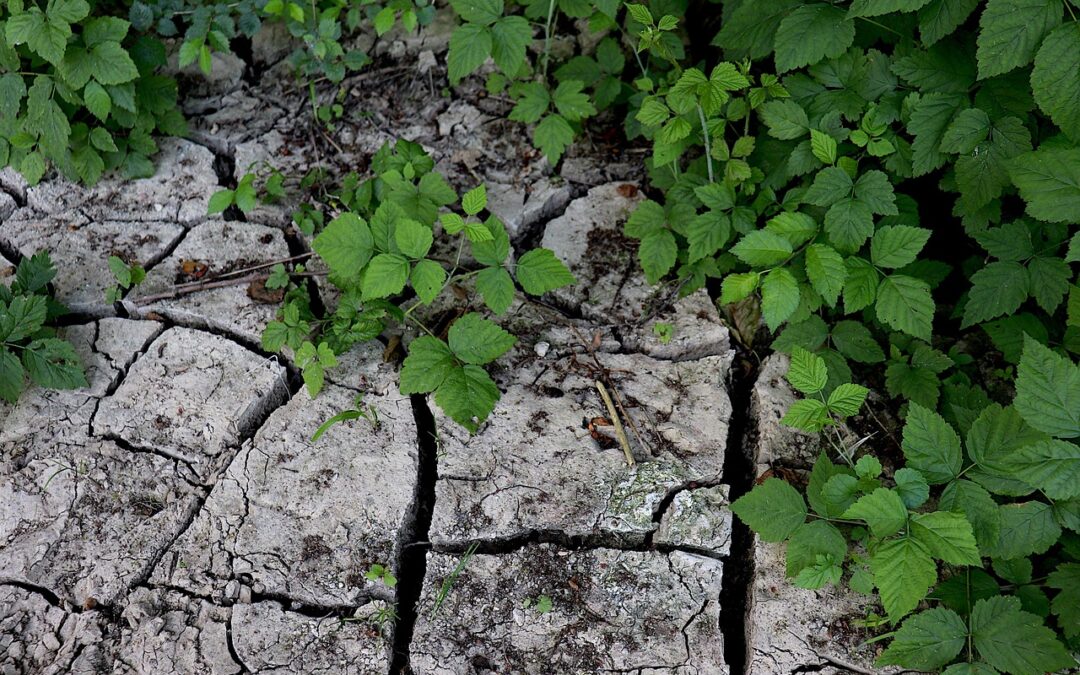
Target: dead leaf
<point x="192" y="270"/>
<point x="258" y="292"/>
<point x="628" y="190"/>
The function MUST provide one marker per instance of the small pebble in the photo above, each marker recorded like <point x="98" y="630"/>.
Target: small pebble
<point x="541" y="349"/>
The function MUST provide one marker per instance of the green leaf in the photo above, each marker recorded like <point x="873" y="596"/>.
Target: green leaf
<point x="478" y="11"/>
<point x="706" y="234"/>
<point x="999" y="288"/>
<point x="927" y="641"/>
<point x="847" y="399"/>
<point x="839" y="493"/>
<point x="773" y="509"/>
<point x="553" y="135"/>
<point x="533" y="101"/>
<point x="797" y="228"/>
<point x="1011" y="30"/>
<point x="428" y="278"/>
<point x="904" y="303"/>
<point x="1011" y="241"/>
<point x="53" y="363"/>
<point x="968" y="129"/>
<point x="1027" y="528"/>
<point x="808" y="415"/>
<point x="111" y="64"/>
<point x="826" y="271"/>
<point x="11" y="376"/>
<point x="475" y="200"/>
<point x="470" y="46"/>
<point x="882" y="510"/>
<point x="983" y="174"/>
<point x="849" y="223"/>
<point x="830" y="185"/>
<point x="657" y="253"/>
<point x="539" y="271"/>
<point x="427" y="365"/>
<point x="1015" y="641"/>
<point x="879" y="7"/>
<point x="931" y="445"/>
<point x="948" y="537"/>
<point x="861" y="286"/>
<point x="220" y="200"/>
<point x="1052" y="466"/>
<point x="345" y="244"/>
<point x="903" y="572"/>
<point x="964" y="496"/>
<point x="24" y="316"/>
<point x="762" y="248"/>
<point x="779" y="297"/>
<point x="495" y="247"/>
<point x="895" y="246"/>
<point x="413" y="239"/>
<point x="1049" y="279"/>
<point x="853" y="340"/>
<point x="476" y="340"/>
<point x="993" y="438"/>
<point x="467" y="395"/>
<point x="930" y="118"/>
<point x="810" y="540"/>
<point x="912" y="487"/>
<point x="1066" y="606"/>
<point x="941" y="17"/>
<point x="823" y="146"/>
<point x="812" y="33"/>
<point x="386" y="275"/>
<point x="571" y="102"/>
<point x="1048" y="391"/>
<point x="736" y="287"/>
<point x="97" y="100"/>
<point x="102" y="140"/>
<point x="496" y="287"/>
<point x="820" y="475"/>
<point x="807" y="372"/>
<point x="875" y="191"/>
<point x="785" y="118"/>
<point x="1049" y="181"/>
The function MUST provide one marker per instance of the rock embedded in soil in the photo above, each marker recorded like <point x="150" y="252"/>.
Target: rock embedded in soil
<point x="80" y="250"/>
<point x="305" y="520"/>
<point x="211" y="250"/>
<point x="611" y="610"/>
<point x="193" y="396"/>
<point x="535" y="467"/>
<point x="520" y="210"/>
<point x="38" y="637"/>
<point x="791" y="629"/>
<point x="179" y="190"/>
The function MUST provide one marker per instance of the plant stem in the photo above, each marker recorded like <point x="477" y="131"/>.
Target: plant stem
<point x="708" y="143"/>
<point x="547" y="37"/>
<point x="619" y="433"/>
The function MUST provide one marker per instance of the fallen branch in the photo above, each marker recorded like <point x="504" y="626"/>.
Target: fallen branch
<point x="619" y="433"/>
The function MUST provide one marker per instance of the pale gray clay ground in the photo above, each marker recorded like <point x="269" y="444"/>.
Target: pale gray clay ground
<point x="175" y="516"/>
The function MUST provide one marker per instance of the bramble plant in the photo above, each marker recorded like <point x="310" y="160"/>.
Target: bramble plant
<point x="78" y="91"/>
<point x="380" y="248"/>
<point x="29" y="347"/>
<point x="811" y="228"/>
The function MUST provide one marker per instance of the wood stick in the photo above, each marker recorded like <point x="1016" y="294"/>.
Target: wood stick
<point x="619" y="433"/>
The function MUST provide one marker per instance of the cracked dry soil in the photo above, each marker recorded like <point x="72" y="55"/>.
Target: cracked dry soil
<point x="175" y="516"/>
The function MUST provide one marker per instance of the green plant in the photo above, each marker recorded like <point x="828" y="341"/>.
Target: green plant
<point x="368" y="413"/>
<point x="127" y="277"/>
<point x="29" y="347"/>
<point x="451" y="579"/>
<point x="381" y="573"/>
<point x="542" y="604"/>
<point x="382" y="246"/>
<point x="806" y="194"/>
<point x="78" y="91"/>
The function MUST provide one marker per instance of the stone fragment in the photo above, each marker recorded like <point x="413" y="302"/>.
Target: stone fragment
<point x="80" y="250"/>
<point x="167" y="632"/>
<point x="305" y="520"/>
<point x="697" y="519"/>
<point x="11" y="181"/>
<point x="210" y="250"/>
<point x="790" y="629"/>
<point x="191" y="397"/>
<point x="535" y="466"/>
<point x="7" y="271"/>
<point x="611" y="611"/>
<point x="272" y="641"/>
<point x="588" y="238"/>
<point x="271" y="43"/>
<point x="222" y="122"/>
<point x="179" y="190"/>
<point x="38" y="637"/>
<point x="226" y="74"/>
<point x="7" y="206"/>
<point x="694" y="326"/>
<point x="520" y="209"/>
<point x="45" y="423"/>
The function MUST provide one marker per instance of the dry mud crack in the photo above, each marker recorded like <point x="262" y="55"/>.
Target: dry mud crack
<point x="175" y="516"/>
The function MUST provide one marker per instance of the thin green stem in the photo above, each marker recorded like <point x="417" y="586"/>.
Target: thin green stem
<point x="547" y="37"/>
<point x="881" y="26"/>
<point x="708" y="143"/>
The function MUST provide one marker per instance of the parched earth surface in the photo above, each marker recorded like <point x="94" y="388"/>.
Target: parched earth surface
<point x="176" y="517"/>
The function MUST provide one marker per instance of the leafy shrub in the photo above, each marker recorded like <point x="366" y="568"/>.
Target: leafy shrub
<point x="29" y="347"/>
<point x="79" y="92"/>
<point x="806" y="196"/>
<point x="381" y="254"/>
